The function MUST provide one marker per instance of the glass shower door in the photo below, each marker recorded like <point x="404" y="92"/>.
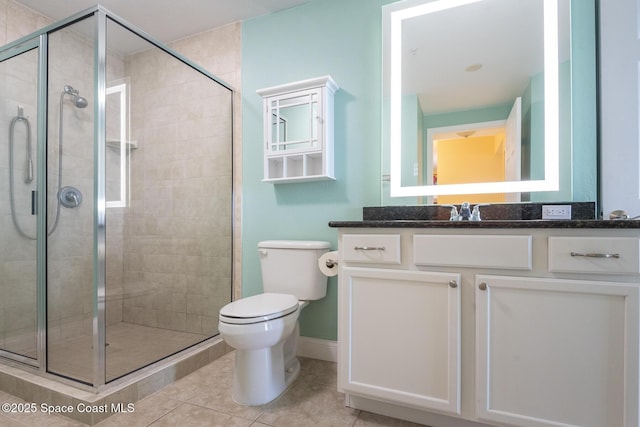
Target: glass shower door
<point x="70" y="201"/>
<point x="18" y="249"/>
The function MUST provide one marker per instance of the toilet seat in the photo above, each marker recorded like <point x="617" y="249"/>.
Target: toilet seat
<point x="258" y="308"/>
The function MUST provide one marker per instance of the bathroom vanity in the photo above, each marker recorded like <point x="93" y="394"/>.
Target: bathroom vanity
<point x="519" y="323"/>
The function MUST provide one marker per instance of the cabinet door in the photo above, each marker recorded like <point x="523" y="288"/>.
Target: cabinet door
<point x="292" y="122"/>
<point x="399" y="337"/>
<point x="554" y="352"/>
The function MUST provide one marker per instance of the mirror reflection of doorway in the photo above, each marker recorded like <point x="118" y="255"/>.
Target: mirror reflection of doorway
<point x="476" y="153"/>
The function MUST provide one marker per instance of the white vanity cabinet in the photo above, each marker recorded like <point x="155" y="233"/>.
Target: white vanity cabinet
<point x="554" y="352"/>
<point x="401" y="336"/>
<point x="480" y="326"/>
<point x="298" y="130"/>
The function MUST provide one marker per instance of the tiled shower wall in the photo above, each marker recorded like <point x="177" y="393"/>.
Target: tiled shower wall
<point x="220" y="52"/>
<point x="177" y="247"/>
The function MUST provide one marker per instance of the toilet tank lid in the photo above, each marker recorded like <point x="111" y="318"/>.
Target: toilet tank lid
<point x="294" y="244"/>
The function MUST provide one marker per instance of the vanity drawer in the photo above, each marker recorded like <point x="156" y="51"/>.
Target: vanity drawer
<point x="507" y="252"/>
<point x="594" y="255"/>
<point x="371" y="248"/>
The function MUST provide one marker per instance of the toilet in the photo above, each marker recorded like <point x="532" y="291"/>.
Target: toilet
<point x="264" y="328"/>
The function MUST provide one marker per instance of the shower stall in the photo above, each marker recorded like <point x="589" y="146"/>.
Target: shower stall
<point x="117" y="201"/>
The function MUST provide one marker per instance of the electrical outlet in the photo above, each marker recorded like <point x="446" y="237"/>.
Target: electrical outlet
<point x="556" y="211"/>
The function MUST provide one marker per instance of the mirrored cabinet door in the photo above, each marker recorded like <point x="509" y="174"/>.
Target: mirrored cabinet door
<point x="298" y="131"/>
<point x="294" y="122"/>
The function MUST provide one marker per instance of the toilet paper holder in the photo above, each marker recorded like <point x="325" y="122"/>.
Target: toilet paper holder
<point x="328" y="263"/>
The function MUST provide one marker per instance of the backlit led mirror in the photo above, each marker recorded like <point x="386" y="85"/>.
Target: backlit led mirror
<point x="481" y="100"/>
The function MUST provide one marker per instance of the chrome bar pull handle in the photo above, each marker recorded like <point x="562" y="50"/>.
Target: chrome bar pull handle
<point x="368" y="248"/>
<point x="595" y="255"/>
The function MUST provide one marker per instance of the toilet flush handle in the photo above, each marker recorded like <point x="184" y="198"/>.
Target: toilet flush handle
<point x="263" y="252"/>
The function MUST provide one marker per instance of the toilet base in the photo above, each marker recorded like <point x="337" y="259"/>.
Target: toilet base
<point x="260" y="375"/>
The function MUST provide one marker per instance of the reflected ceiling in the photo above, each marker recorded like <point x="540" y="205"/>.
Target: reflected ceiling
<point x="468" y="67"/>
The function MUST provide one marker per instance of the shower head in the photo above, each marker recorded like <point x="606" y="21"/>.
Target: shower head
<point x="78" y="101"/>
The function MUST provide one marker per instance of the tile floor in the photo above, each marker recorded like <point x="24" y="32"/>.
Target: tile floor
<point x="203" y="398"/>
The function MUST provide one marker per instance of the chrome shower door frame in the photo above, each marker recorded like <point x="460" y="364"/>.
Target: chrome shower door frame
<point x="100" y="201"/>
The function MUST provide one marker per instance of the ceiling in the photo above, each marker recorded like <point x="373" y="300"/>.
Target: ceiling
<point x="168" y="20"/>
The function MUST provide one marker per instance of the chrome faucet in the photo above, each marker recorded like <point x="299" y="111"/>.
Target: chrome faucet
<point x="466" y="213"/>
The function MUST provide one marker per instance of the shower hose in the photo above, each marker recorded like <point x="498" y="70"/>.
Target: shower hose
<point x="28" y="168"/>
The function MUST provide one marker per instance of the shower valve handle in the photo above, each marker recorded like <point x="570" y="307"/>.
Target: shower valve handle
<point x="70" y="197"/>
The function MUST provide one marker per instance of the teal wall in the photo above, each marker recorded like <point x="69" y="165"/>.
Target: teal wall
<point x="411" y="139"/>
<point x="485" y="114"/>
<point x="341" y="38"/>
<point x="583" y="108"/>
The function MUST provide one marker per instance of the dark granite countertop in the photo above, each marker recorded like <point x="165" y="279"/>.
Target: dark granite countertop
<point x="536" y="223"/>
<point x="502" y="215"/>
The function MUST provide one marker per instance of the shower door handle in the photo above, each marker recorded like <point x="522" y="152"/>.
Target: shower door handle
<point x="34" y="202"/>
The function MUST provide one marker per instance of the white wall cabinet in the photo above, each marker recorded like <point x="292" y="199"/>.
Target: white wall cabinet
<point x="538" y="338"/>
<point x="298" y="130"/>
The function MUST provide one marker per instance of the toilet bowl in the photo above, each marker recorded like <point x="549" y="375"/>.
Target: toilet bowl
<point x="264" y="328"/>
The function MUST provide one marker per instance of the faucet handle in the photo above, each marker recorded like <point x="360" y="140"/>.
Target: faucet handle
<point x="475" y="214"/>
<point x="454" y="214"/>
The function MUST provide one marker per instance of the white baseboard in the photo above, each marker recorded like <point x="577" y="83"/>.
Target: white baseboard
<point x="315" y="348"/>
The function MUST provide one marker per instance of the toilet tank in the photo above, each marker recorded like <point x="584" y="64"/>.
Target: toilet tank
<point x="291" y="267"/>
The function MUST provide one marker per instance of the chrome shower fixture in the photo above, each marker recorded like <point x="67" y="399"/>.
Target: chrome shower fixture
<point x="78" y="101"/>
<point x="70" y="197"/>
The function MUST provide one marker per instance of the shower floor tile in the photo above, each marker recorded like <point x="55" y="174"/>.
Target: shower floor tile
<point x="129" y="347"/>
